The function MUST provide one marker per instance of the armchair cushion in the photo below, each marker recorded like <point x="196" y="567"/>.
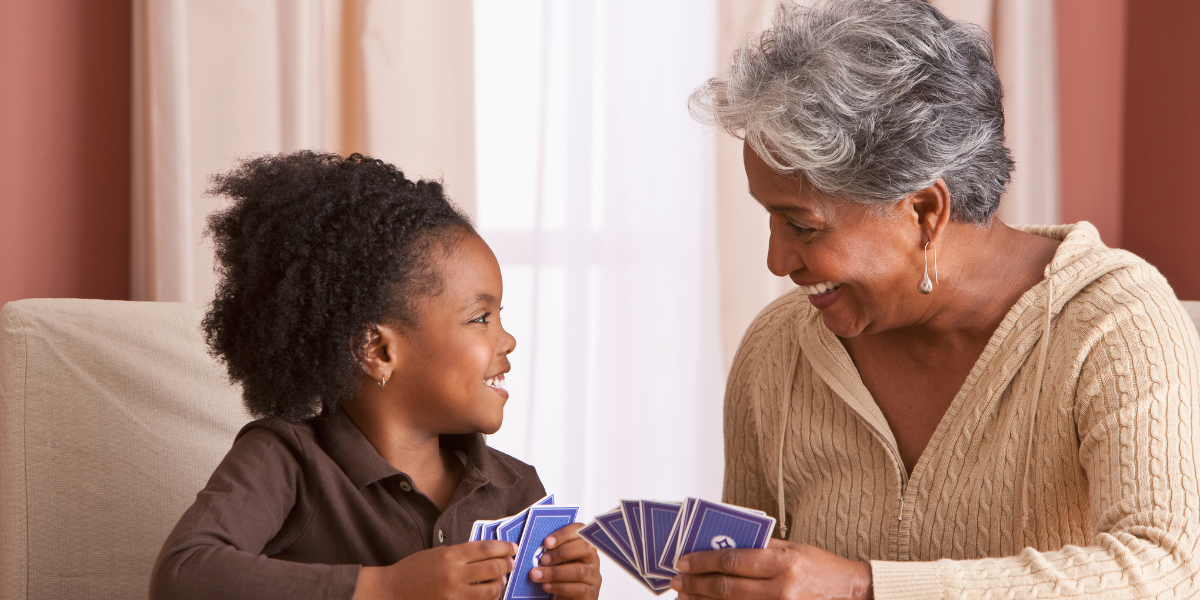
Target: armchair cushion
<point x="112" y="418"/>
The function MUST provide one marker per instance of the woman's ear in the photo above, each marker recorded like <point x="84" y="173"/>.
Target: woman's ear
<point x="381" y="353"/>
<point x="931" y="208"/>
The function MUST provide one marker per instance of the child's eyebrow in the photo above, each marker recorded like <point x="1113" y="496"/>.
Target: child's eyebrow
<point x="483" y="297"/>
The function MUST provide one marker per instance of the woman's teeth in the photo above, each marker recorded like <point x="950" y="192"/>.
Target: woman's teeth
<point x="820" y="288"/>
<point x="496" y="382"/>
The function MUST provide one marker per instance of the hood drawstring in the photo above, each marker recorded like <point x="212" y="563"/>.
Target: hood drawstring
<point x="783" y="424"/>
<point x="1041" y="371"/>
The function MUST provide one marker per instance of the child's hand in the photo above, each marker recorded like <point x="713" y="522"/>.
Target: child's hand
<point x="571" y="567"/>
<point x="472" y="571"/>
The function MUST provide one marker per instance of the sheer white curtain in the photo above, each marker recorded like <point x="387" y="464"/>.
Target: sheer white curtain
<point x="597" y="192"/>
<point x="216" y="80"/>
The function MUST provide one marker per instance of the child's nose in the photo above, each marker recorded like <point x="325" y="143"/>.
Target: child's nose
<point x="508" y="344"/>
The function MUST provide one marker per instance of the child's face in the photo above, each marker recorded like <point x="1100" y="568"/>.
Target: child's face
<point x="459" y="347"/>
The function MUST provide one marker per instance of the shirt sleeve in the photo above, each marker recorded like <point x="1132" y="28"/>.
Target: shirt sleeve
<point x="215" y="549"/>
<point x="1137" y="411"/>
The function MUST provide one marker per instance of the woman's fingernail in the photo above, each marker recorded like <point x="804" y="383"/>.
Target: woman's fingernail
<point x="677" y="583"/>
<point x="536" y="574"/>
<point x="550" y="542"/>
<point x="682" y="565"/>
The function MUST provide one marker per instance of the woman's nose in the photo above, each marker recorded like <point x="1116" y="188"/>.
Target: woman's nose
<point x="782" y="258"/>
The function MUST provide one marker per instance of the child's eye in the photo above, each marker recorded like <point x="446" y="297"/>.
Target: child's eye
<point x="482" y="318"/>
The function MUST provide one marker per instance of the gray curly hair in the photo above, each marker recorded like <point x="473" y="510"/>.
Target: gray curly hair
<point x="870" y="100"/>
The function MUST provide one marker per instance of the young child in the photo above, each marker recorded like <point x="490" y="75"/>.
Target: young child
<point x="360" y="312"/>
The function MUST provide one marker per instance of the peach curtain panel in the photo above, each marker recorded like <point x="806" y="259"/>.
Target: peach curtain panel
<point x="1023" y="35"/>
<point x="215" y="80"/>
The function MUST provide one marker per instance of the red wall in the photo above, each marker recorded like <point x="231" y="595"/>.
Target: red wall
<point x="64" y="148"/>
<point x="1161" y="210"/>
<point x="1091" y="97"/>
<point x="1129" y="85"/>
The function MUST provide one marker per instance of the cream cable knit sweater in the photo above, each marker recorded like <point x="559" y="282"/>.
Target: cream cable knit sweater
<point x="1114" y="504"/>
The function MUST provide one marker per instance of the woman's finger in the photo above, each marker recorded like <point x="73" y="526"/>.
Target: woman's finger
<point x="719" y="587"/>
<point x="743" y="562"/>
<point x="574" y="550"/>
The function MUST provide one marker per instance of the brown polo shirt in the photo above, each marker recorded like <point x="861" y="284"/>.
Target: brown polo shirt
<point x="294" y="510"/>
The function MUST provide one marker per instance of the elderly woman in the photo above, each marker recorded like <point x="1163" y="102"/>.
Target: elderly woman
<point x="947" y="406"/>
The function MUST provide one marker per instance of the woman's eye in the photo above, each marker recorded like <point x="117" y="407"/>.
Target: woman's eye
<point x="799" y="229"/>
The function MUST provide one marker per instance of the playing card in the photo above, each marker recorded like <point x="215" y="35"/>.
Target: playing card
<point x="509" y="530"/>
<point x="632" y="510"/>
<point x="602" y="541"/>
<point x="657" y="520"/>
<point x="540" y="522"/>
<point x="666" y="560"/>
<point x="613" y="524"/>
<point x="714" y="526"/>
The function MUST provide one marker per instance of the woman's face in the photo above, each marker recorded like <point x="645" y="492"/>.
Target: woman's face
<point x="858" y="266"/>
<point x="458" y="355"/>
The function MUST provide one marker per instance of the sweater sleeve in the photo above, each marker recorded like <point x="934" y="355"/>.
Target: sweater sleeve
<point x="215" y="549"/>
<point x="1137" y="411"/>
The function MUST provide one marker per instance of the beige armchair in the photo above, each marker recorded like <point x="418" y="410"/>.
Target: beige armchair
<point x="112" y="417"/>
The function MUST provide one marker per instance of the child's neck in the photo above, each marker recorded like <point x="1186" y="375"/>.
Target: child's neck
<point x="435" y="471"/>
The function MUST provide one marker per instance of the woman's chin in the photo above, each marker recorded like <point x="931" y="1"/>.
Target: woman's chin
<point x="843" y="326"/>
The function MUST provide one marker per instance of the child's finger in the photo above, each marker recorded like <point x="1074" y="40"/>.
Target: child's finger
<point x="568" y="590"/>
<point x="487" y="570"/>
<point x="486" y="549"/>
<point x="567" y="533"/>
<point x="574" y="550"/>
<point x="568" y="573"/>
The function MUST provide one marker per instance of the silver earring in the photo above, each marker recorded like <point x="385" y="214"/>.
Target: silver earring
<point x="382" y="381"/>
<point x="926" y="285"/>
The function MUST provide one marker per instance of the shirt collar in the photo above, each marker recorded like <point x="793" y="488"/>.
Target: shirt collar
<point x="345" y="443"/>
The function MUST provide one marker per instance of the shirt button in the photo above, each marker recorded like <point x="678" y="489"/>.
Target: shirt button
<point x="404" y="485"/>
<point x="441" y="536"/>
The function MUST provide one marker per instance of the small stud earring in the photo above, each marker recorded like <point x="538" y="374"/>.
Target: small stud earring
<point x="382" y="381"/>
<point x="926" y="285"/>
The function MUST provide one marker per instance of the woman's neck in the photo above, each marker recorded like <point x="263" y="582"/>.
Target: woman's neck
<point x="983" y="272"/>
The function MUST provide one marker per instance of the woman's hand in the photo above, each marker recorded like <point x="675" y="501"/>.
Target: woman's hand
<point x="471" y="571"/>
<point x="571" y="567"/>
<point x="782" y="570"/>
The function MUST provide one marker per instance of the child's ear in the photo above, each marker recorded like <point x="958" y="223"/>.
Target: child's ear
<point x="381" y="353"/>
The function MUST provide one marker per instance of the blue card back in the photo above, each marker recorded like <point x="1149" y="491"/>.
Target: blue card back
<point x="658" y="519"/>
<point x="541" y="522"/>
<point x="716" y="526"/>
<point x="598" y="537"/>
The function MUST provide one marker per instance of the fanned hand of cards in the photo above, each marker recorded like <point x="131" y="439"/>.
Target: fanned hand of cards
<point x="647" y="538"/>
<point x="528" y="530"/>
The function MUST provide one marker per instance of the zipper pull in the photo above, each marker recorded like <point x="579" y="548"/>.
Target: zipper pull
<point x="901" y="517"/>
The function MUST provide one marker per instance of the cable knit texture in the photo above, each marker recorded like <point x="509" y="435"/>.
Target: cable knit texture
<point x="1114" y="509"/>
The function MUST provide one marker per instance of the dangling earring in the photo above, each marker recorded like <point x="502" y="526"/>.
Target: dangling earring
<point x="382" y="381"/>
<point x="926" y="285"/>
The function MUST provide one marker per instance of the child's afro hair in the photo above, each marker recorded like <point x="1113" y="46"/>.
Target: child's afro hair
<point x="315" y="250"/>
